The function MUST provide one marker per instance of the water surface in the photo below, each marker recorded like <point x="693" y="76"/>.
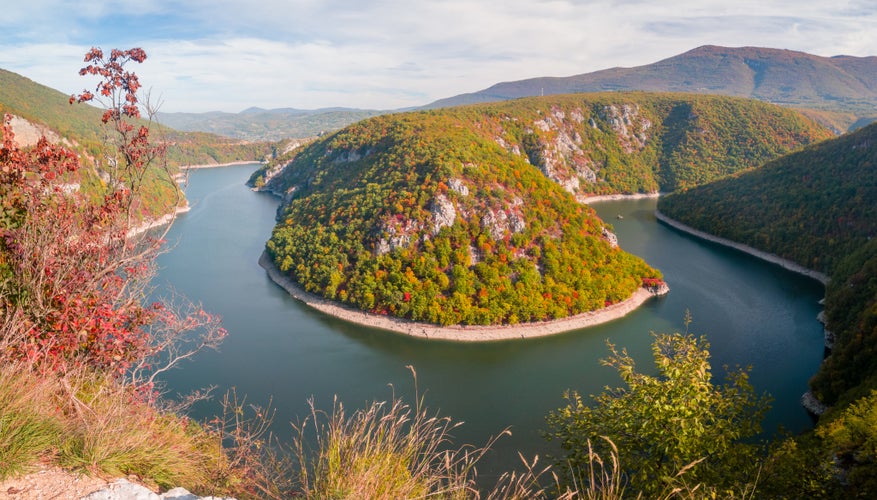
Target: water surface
<point x="753" y="313"/>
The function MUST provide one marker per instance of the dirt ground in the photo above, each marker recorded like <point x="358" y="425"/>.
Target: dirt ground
<point x="50" y="483"/>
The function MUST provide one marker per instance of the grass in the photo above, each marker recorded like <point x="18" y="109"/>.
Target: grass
<point x="387" y="450"/>
<point x="92" y="424"/>
<point x="27" y="424"/>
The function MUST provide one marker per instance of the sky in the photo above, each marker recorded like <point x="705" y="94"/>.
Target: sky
<point x="229" y="55"/>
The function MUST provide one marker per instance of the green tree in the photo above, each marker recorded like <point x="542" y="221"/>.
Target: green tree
<point x="662" y="424"/>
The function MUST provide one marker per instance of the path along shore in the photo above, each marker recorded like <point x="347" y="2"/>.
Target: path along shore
<point x="772" y="258"/>
<point x="454" y="333"/>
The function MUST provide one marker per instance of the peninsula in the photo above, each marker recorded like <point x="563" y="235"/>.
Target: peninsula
<point x="474" y="333"/>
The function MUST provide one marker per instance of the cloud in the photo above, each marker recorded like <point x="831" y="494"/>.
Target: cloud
<point x="229" y="54"/>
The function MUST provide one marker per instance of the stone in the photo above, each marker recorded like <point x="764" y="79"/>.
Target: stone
<point x="812" y="404"/>
<point x="443" y="213"/>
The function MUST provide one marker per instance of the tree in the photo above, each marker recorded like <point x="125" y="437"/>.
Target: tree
<point x="665" y="423"/>
<point x="74" y="272"/>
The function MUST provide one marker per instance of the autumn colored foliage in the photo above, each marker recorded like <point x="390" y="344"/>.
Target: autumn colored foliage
<point x="74" y="273"/>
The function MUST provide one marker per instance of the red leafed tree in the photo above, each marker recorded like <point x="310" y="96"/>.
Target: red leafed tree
<point x="74" y="275"/>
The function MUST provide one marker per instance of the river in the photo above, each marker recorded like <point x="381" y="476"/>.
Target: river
<point x="753" y="313"/>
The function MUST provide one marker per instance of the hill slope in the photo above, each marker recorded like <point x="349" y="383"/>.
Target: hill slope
<point x="40" y="110"/>
<point x="817" y="207"/>
<point x="813" y="207"/>
<point x="50" y="111"/>
<point x="469" y="215"/>
<point x="841" y="83"/>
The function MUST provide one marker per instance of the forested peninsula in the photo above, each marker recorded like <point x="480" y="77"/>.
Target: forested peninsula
<point x="476" y="215"/>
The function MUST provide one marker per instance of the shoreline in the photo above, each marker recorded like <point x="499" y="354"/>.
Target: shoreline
<point x="217" y="165"/>
<point x="161" y="221"/>
<point x="587" y="200"/>
<point x="454" y="333"/>
<point x="769" y="257"/>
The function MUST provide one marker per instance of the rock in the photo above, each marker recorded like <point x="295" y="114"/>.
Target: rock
<point x="516" y="222"/>
<point x="495" y="222"/>
<point x="829" y="339"/>
<point x="458" y="186"/>
<point x="122" y="489"/>
<point x="443" y="213"/>
<point x="610" y="237"/>
<point x="812" y="404"/>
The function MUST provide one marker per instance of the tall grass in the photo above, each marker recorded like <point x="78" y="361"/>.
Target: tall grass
<point x="93" y="424"/>
<point x="388" y="450"/>
<point x="28" y="425"/>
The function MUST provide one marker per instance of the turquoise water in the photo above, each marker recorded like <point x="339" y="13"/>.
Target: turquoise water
<point x="753" y="313"/>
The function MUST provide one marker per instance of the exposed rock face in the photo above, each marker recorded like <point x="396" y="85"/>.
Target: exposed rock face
<point x="829" y="339"/>
<point x="458" y="186"/>
<point x="349" y="155"/>
<point x="812" y="404"/>
<point x="495" y="222"/>
<point x="443" y="213"/>
<point x="630" y="126"/>
<point x="27" y="133"/>
<point x="610" y="237"/>
<point x="396" y="235"/>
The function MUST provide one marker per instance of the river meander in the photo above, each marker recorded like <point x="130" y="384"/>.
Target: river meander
<point x="753" y="313"/>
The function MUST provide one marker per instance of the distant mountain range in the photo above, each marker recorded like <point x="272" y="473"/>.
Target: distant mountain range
<point x="257" y="124"/>
<point x="842" y="88"/>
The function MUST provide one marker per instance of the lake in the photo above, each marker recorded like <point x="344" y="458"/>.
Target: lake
<point x="753" y="313"/>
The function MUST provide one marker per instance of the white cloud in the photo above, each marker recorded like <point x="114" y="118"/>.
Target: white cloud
<point x="230" y="54"/>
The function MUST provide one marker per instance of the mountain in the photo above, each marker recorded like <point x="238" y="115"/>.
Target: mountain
<point x="818" y="208"/>
<point x="814" y="207"/>
<point x="470" y="215"/>
<point x="844" y="88"/>
<point x="257" y="124"/>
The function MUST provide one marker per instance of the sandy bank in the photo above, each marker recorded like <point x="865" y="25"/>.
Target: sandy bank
<point x="455" y="333"/>
<point x="772" y="258"/>
<point x="613" y="197"/>
<point x="217" y="165"/>
<point x="161" y="221"/>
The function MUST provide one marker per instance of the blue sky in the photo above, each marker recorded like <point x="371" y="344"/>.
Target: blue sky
<point x="227" y="55"/>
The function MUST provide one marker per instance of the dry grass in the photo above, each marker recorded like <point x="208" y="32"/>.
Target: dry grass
<point x="92" y="424"/>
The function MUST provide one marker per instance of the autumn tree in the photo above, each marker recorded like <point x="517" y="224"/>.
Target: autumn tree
<point x="74" y="269"/>
<point x="665" y="423"/>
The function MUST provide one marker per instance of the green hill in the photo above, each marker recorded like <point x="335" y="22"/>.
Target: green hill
<point x="257" y="124"/>
<point x="814" y="207"/>
<point x="469" y="215"/>
<point x="817" y="207"/>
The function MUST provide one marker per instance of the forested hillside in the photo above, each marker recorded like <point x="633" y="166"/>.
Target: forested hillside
<point x="817" y="207"/>
<point x="79" y="126"/>
<point x="814" y="207"/>
<point x="469" y="215"/>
